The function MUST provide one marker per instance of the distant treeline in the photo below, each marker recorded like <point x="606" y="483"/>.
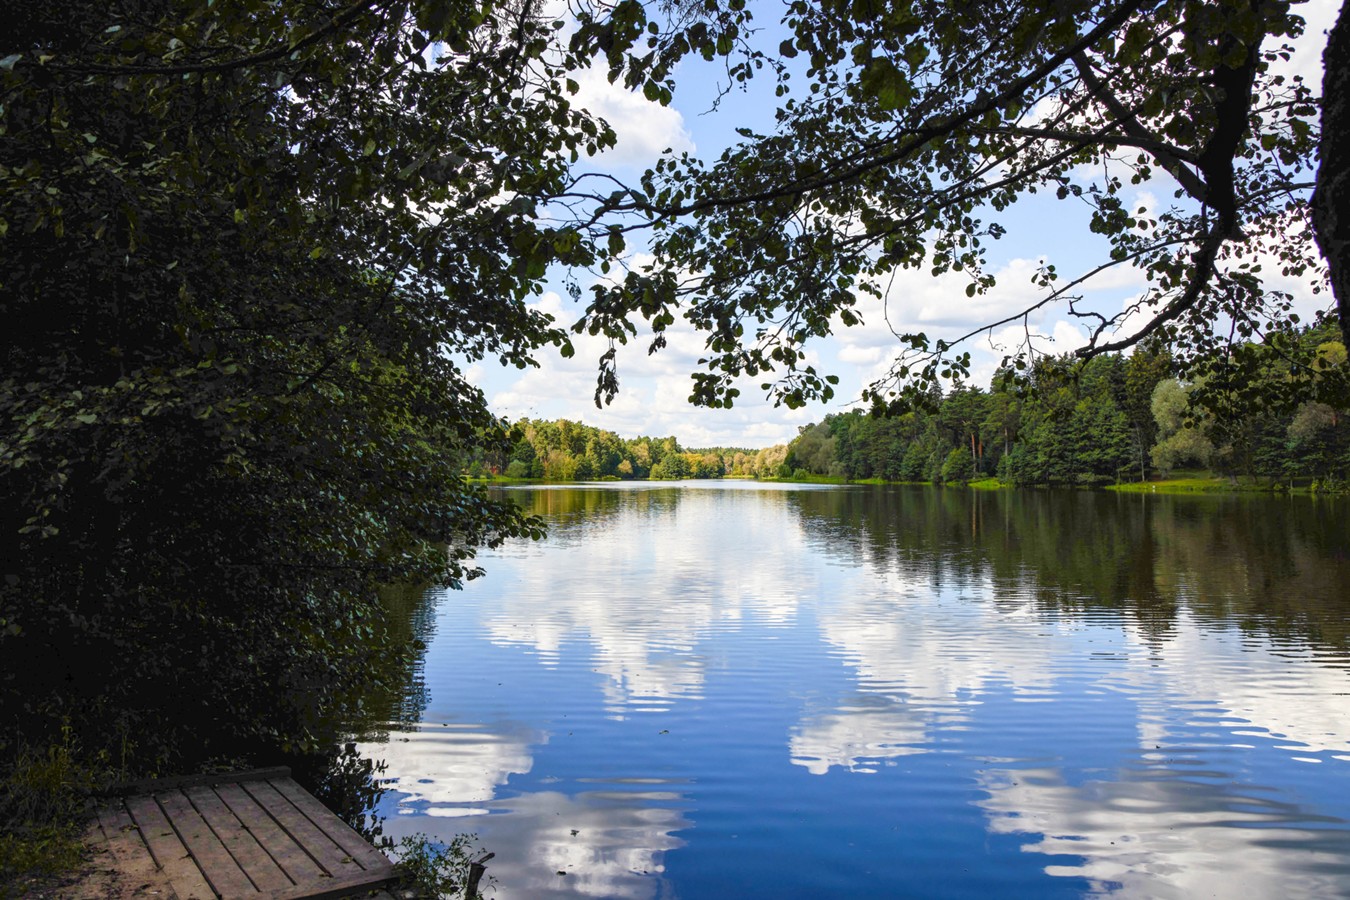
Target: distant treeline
<point x="1112" y="419"/>
<point x="563" y="450"/>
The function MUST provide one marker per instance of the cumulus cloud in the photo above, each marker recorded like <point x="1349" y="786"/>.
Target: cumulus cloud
<point x="654" y="391"/>
<point x="645" y="129"/>
<point x="646" y="649"/>
<point x="915" y="301"/>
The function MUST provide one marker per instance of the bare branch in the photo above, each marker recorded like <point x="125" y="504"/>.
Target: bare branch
<point x="1165" y="156"/>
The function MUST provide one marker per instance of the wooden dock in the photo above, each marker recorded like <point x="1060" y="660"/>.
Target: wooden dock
<point x="246" y="835"/>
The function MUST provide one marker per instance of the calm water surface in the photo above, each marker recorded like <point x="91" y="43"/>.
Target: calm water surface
<point x="708" y="690"/>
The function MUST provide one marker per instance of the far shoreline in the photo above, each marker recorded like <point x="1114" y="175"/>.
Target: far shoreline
<point x="1216" y="485"/>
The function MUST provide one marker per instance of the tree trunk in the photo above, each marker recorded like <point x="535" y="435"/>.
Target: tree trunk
<point x="1331" y="199"/>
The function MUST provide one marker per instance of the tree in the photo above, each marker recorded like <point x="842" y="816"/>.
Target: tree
<point x="1179" y="440"/>
<point x="813" y="450"/>
<point x="1332" y="196"/>
<point x="1147" y="365"/>
<point x="963" y="411"/>
<point x="245" y="250"/>
<point x="924" y="120"/>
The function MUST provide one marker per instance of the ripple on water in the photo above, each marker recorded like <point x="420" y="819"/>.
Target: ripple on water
<point x="745" y="692"/>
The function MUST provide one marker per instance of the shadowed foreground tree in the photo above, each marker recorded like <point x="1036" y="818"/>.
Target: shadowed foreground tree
<point x="1332" y="197"/>
<point x="241" y="248"/>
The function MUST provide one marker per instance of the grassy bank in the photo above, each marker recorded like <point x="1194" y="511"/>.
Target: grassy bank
<point x="43" y="792"/>
<point x="1228" y="486"/>
<point x="988" y="484"/>
<point x="1184" y="486"/>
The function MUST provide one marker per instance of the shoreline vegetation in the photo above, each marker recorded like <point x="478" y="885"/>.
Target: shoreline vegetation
<point x="1191" y="484"/>
<point x="1115" y="422"/>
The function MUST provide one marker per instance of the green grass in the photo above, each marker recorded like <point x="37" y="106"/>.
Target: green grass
<point x="1175" y="486"/>
<point x="987" y="484"/>
<point x="1205" y="483"/>
<point x="812" y="479"/>
<point x="42" y="796"/>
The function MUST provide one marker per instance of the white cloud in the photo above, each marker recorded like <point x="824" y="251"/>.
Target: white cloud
<point x="645" y="129"/>
<point x="442" y="767"/>
<point x="647" y="647"/>
<point x="1319" y="16"/>
<point x="653" y="395"/>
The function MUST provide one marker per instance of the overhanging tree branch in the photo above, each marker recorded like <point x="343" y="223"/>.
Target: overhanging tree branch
<point x="914" y="141"/>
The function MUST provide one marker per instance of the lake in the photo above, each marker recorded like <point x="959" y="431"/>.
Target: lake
<point x="733" y="689"/>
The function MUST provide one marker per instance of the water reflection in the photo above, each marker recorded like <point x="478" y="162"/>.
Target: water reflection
<point x="640" y="588"/>
<point x="1269" y="563"/>
<point x="605" y="840"/>
<point x="604" y="843"/>
<point x="1147" y="833"/>
<point x="875" y="692"/>
<point x="450" y="770"/>
<point x="862" y="731"/>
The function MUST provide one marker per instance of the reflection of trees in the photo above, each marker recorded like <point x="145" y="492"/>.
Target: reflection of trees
<point x="397" y="693"/>
<point x="571" y="511"/>
<point x="341" y="775"/>
<point x="1223" y="621"/>
<point x="1278" y="565"/>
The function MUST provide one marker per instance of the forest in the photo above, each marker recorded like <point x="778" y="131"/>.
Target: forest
<point x="1114" y="419"/>
<point x="563" y="450"/>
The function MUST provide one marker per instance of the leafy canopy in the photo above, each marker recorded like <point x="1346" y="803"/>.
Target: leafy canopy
<point x="907" y="130"/>
<point x="244" y="250"/>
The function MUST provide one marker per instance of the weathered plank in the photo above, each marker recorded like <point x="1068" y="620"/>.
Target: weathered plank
<point x="98" y="878"/>
<point x="221" y="869"/>
<point x="257" y="837"/>
<point x="331" y="888"/>
<point x="168" y="850"/>
<point x="242" y="845"/>
<point x="292" y="858"/>
<point x="128" y="849"/>
<point x="342" y="834"/>
<point x="333" y="859"/>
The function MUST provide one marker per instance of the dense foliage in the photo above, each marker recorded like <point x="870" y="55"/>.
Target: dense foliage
<point x="1113" y="419"/>
<point x="571" y="451"/>
<point x="244" y="250"/>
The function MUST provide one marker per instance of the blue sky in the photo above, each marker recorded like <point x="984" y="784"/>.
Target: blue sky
<point x="654" y="389"/>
